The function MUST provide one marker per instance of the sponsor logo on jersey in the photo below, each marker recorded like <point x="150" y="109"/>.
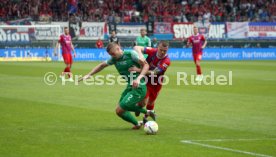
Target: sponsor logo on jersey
<point x="165" y="65"/>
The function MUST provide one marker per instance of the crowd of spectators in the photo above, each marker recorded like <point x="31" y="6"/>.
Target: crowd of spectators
<point x="142" y="10"/>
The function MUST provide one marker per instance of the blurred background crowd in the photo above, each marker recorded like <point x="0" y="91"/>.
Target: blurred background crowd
<point x="120" y="11"/>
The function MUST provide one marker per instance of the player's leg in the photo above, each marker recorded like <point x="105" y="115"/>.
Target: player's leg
<point x="153" y="91"/>
<point x="142" y="104"/>
<point x="126" y="115"/>
<point x="66" y="61"/>
<point x="137" y="95"/>
<point x="67" y="58"/>
<point x="132" y="97"/>
<point x="70" y="62"/>
<point x="149" y="91"/>
<point x="197" y="58"/>
<point x="123" y="112"/>
<point x="130" y="100"/>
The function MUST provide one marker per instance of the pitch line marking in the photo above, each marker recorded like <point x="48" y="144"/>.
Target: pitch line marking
<point x="196" y="142"/>
<point x="225" y="140"/>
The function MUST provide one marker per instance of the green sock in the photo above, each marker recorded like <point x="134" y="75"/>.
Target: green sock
<point x="129" y="118"/>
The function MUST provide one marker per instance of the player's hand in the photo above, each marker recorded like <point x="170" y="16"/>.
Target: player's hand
<point x="134" y="69"/>
<point x="84" y="78"/>
<point x="75" y="54"/>
<point x="135" y="83"/>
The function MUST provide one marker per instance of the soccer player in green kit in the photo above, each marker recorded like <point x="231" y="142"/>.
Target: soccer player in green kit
<point x="143" y="40"/>
<point x="136" y="87"/>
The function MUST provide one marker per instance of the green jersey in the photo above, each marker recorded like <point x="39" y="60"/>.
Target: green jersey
<point x="143" y="41"/>
<point x="129" y="59"/>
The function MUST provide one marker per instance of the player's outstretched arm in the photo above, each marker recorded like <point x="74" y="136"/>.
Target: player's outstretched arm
<point x="73" y="49"/>
<point x="95" y="70"/>
<point x="139" y="50"/>
<point x="145" y="67"/>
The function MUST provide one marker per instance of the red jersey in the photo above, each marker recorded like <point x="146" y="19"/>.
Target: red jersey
<point x="99" y="44"/>
<point x="65" y="42"/>
<point x="154" y="62"/>
<point x="197" y="42"/>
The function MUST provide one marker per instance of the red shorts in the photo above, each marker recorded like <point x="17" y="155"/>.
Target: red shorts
<point x="197" y="56"/>
<point x="67" y="58"/>
<point x="152" y="92"/>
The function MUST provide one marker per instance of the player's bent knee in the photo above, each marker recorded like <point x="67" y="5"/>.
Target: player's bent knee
<point x="119" y="111"/>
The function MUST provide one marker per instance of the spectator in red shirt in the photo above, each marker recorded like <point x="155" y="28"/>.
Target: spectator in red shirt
<point x="99" y="44"/>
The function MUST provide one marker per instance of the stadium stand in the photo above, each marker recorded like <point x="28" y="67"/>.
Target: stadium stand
<point x="142" y="10"/>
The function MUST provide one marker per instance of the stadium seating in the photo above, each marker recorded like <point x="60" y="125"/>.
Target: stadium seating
<point x="142" y="11"/>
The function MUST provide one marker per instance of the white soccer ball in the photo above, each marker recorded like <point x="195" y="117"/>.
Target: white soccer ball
<point x="151" y="127"/>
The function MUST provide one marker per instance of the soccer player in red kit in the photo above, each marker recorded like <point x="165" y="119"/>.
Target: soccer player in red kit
<point x="198" y="43"/>
<point x="66" y="45"/>
<point x="159" y="61"/>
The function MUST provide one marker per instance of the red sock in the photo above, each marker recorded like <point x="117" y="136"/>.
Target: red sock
<point x="150" y="107"/>
<point x="198" y="69"/>
<point x="67" y="70"/>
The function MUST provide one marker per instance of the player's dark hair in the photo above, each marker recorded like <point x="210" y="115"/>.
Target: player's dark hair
<point x="164" y="43"/>
<point x="110" y="46"/>
<point x="65" y="27"/>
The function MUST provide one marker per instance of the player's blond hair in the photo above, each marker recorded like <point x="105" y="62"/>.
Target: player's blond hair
<point x="110" y="46"/>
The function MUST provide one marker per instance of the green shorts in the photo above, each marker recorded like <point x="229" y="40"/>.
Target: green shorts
<point x="131" y="96"/>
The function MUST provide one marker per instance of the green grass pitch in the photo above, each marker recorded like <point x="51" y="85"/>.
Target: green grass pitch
<point x="37" y="120"/>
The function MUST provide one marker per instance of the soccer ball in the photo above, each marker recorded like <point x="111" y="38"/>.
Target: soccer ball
<point x="151" y="128"/>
